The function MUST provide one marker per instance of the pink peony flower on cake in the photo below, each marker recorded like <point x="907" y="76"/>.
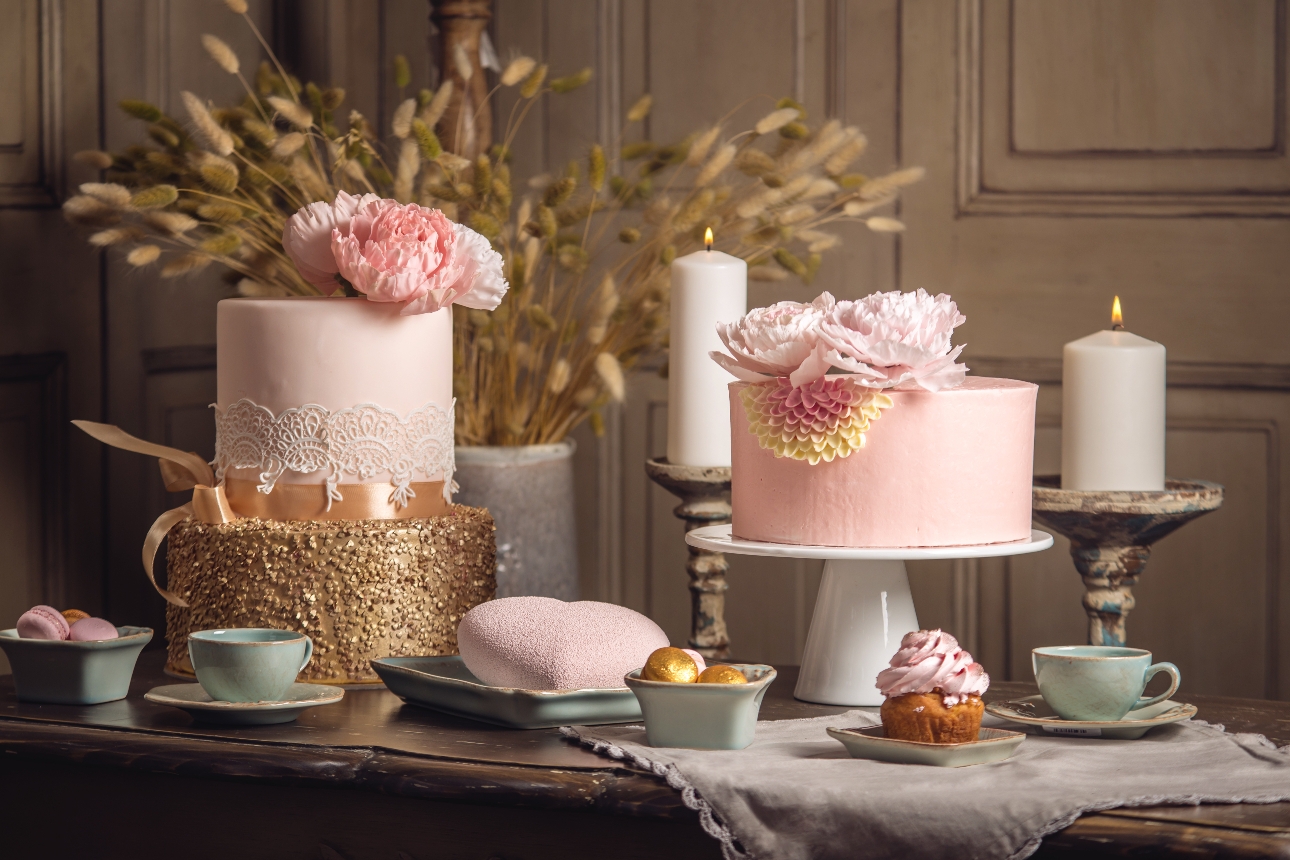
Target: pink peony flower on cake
<point x="777" y="341"/>
<point x="394" y="252"/>
<point x="895" y="340"/>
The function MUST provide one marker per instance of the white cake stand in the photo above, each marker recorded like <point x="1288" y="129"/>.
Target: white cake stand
<point x="863" y="609"/>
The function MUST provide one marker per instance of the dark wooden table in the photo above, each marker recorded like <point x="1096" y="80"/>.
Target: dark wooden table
<point x="371" y="777"/>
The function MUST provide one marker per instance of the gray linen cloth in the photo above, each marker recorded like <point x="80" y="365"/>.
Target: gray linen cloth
<point x="795" y="793"/>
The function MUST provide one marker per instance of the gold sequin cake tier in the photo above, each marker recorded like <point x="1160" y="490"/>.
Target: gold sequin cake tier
<point x="361" y="589"/>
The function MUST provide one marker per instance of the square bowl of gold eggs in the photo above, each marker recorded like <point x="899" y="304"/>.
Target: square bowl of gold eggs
<point x="690" y="704"/>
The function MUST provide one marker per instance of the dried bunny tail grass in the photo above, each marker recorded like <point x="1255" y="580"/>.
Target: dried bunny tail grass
<point x="754" y="162"/>
<point x="879" y="224"/>
<point x="532" y="248"/>
<point x="820" y="147"/>
<point x="820" y="187"/>
<point x="852" y="148"/>
<point x="95" y="158"/>
<point x="702" y="143"/>
<point x="236" y="6"/>
<point x="517" y="70"/>
<point x="760" y="202"/>
<point x="433" y="112"/>
<point x="558" y="379"/>
<point x="406" y="172"/>
<point x="817" y="241"/>
<point x="170" y="223"/>
<point x="156" y="197"/>
<point x="401" y="122"/>
<point x="693" y="211"/>
<point x="288" y="145"/>
<point x="221" y="53"/>
<point x="297" y="115"/>
<point x="107" y="192"/>
<point x="143" y="255"/>
<point x="611" y="376"/>
<point x="115" y="236"/>
<point x="766" y="273"/>
<point x="184" y="264"/>
<point x="856" y="208"/>
<point x="796" y="214"/>
<point x="719" y="161"/>
<point x="641" y="109"/>
<point x="215" y="137"/>
<point x="775" y="120"/>
<point x="533" y="82"/>
<point x="885" y="186"/>
<point x="604" y="303"/>
<point x="461" y="62"/>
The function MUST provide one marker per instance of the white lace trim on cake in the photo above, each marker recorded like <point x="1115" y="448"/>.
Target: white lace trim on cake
<point x="363" y="441"/>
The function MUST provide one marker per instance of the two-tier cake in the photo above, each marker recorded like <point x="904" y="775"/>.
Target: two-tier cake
<point x="852" y="425"/>
<point x="331" y="508"/>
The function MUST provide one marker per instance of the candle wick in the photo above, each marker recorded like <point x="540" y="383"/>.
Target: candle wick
<point x="1118" y="327"/>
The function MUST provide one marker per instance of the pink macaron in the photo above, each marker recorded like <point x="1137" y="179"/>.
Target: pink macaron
<point x="42" y="622"/>
<point x="92" y="630"/>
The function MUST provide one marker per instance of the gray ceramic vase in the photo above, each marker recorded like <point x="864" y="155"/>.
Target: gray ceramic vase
<point x="529" y="491"/>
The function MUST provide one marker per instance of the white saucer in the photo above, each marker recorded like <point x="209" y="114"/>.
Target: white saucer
<point x="1034" y="711"/>
<point x="872" y="743"/>
<point x="201" y="707"/>
<point x="720" y="539"/>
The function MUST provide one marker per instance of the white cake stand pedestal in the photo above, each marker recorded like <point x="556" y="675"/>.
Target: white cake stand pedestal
<point x="863" y="609"/>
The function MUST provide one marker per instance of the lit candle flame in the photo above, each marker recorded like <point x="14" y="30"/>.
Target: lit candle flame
<point x="707" y="238"/>
<point x="1117" y="318"/>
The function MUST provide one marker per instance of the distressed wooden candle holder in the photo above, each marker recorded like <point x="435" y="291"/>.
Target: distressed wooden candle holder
<point x="1111" y="534"/>
<point x="704" y="492"/>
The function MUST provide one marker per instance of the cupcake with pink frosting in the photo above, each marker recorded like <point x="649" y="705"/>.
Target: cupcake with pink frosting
<point x="933" y="690"/>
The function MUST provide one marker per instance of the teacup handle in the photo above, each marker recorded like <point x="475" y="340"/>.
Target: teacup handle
<point x="1152" y="670"/>
<point x="309" y="653"/>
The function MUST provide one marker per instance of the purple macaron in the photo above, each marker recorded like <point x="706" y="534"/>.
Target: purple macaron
<point x="92" y="630"/>
<point x="42" y="622"/>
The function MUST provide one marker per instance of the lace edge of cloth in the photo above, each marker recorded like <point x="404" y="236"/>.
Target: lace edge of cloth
<point x="712" y="824"/>
<point x="709" y="820"/>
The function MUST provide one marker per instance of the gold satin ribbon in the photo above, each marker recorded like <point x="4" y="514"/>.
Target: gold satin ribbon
<point x="181" y="470"/>
<point x="238" y="497"/>
<point x="309" y="501"/>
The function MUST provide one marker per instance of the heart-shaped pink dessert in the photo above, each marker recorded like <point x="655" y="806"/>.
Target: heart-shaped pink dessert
<point x="540" y="643"/>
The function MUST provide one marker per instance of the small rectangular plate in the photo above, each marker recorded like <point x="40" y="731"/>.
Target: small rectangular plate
<point x="445" y="684"/>
<point x="871" y="743"/>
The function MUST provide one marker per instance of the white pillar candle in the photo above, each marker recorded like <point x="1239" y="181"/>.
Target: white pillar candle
<point x="1113" y="411"/>
<point x="708" y="287"/>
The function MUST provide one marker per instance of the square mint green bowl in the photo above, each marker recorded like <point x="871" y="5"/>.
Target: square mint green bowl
<point x="702" y="716"/>
<point x="74" y="673"/>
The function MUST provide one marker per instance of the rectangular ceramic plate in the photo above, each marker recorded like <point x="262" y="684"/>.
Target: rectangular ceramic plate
<point x="870" y="743"/>
<point x="445" y="684"/>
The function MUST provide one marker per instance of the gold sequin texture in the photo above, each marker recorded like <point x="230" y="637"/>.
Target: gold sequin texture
<point x="361" y="589"/>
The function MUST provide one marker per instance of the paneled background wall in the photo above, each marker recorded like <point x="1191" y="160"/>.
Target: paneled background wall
<point x="1075" y="149"/>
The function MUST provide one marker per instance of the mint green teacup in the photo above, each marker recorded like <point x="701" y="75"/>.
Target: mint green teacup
<point x="1097" y="682"/>
<point x="249" y="664"/>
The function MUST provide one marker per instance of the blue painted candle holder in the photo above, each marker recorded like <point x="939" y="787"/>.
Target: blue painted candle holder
<point x="1111" y="534"/>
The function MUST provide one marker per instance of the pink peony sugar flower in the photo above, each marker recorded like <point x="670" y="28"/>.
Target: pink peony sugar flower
<point x="780" y="340"/>
<point x="393" y="252"/>
<point x="895" y="340"/>
<point x="307" y="237"/>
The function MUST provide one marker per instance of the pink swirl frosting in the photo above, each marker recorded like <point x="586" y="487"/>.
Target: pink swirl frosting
<point x="931" y="660"/>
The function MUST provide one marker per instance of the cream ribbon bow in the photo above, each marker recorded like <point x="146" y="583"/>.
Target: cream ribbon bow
<point x="181" y="470"/>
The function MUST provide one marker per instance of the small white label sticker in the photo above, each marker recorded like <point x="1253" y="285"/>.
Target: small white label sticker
<point x="1073" y="730"/>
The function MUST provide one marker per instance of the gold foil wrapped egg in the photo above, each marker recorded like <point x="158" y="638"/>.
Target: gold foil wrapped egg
<point x="74" y="615"/>
<point x="670" y="664"/>
<point x="722" y="675"/>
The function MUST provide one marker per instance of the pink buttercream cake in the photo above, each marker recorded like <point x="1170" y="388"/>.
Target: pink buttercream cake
<point x="938" y="469"/>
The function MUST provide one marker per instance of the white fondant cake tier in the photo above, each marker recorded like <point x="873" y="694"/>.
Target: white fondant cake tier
<point x="938" y="469"/>
<point x="285" y="353"/>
